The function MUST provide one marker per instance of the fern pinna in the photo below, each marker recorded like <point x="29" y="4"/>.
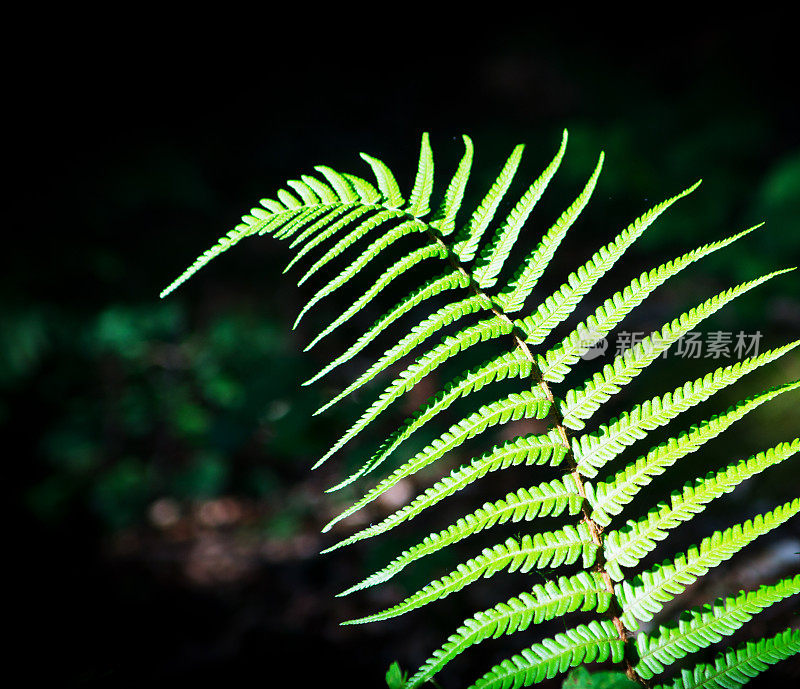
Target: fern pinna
<point x="334" y="214"/>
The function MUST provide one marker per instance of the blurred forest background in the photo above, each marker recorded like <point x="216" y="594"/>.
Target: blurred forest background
<point x="165" y="524"/>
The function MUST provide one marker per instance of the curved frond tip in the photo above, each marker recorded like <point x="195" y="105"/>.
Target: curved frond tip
<point x="467" y="377"/>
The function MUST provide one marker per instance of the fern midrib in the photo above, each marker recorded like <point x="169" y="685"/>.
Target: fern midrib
<point x="614" y="612"/>
<point x="290" y="217"/>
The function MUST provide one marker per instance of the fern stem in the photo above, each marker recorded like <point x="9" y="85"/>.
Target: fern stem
<point x="614" y="612"/>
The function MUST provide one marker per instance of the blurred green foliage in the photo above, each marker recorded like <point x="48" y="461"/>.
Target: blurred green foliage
<point x="144" y="407"/>
<point x="580" y="678"/>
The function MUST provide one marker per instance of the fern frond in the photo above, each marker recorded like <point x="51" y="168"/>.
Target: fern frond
<point x="418" y="204"/>
<point x="286" y="202"/>
<point x="306" y="193"/>
<point x="386" y="181"/>
<point x="357" y="223"/>
<point x="512" y="364"/>
<point x="512" y="297"/>
<point x="557" y="362"/>
<point x="325" y="215"/>
<point x="368" y="194"/>
<point x="313" y="225"/>
<point x="700" y="627"/>
<point x="551" y="549"/>
<point x="444" y="218"/>
<point x="525" y="450"/>
<point x="564" y="300"/>
<point x="580" y="403"/>
<point x="427" y="252"/>
<point x="595" y="642"/>
<point x="736" y="667"/>
<point x="259" y="221"/>
<point x="646" y="594"/>
<point x="547" y="499"/>
<point x="609" y="497"/>
<point x="467" y="240"/>
<point x="223" y="244"/>
<point x="272" y="207"/>
<point x="528" y="404"/>
<point x="294" y="221"/>
<point x="326" y="194"/>
<point x="494" y="254"/>
<point x="627" y="546"/>
<point x="450" y="279"/>
<point x="416" y="336"/>
<point x="344" y="243"/>
<point x="593" y="450"/>
<point x="369" y="254"/>
<point x="584" y="591"/>
<point x="480" y="332"/>
<point x="288" y="199"/>
<point x="340" y="185"/>
<point x="306" y="220"/>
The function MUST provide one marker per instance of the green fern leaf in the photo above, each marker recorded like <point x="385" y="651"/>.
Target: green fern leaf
<point x="223" y="244"/>
<point x="369" y="254"/>
<point x="645" y="595"/>
<point x="512" y="364"/>
<point x="326" y="194"/>
<point x="627" y="546"/>
<point x="286" y="223"/>
<point x="485" y="330"/>
<point x="340" y="185"/>
<point x="366" y="192"/>
<point x="444" y="218"/>
<point x="557" y="362"/>
<point x="324" y="216"/>
<point x="423" y="185"/>
<point x="417" y="335"/>
<point x="551" y="549"/>
<point x="564" y="301"/>
<point x="609" y="497"/>
<point x="523" y="405"/>
<point x="513" y="296"/>
<point x="344" y="243"/>
<point x="288" y="200"/>
<point x="386" y="182"/>
<point x="494" y="255"/>
<point x="303" y="222"/>
<point x="525" y="450"/>
<point x="467" y="240"/>
<point x="430" y="251"/>
<point x="306" y="193"/>
<point x="593" y="450"/>
<point x="581" y="678"/>
<point x="584" y="591"/>
<point x="734" y="668"/>
<point x="334" y="213"/>
<point x="595" y="642"/>
<point x="547" y="499"/>
<point x="700" y="627"/>
<point x="580" y="404"/>
<point x="449" y="280"/>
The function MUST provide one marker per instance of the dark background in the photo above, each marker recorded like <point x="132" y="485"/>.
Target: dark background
<point x="164" y="525"/>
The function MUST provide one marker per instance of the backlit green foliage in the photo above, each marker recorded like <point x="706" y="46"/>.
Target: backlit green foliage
<point x="466" y="253"/>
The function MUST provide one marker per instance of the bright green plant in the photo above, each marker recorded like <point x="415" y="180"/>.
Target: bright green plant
<point x="335" y="213"/>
